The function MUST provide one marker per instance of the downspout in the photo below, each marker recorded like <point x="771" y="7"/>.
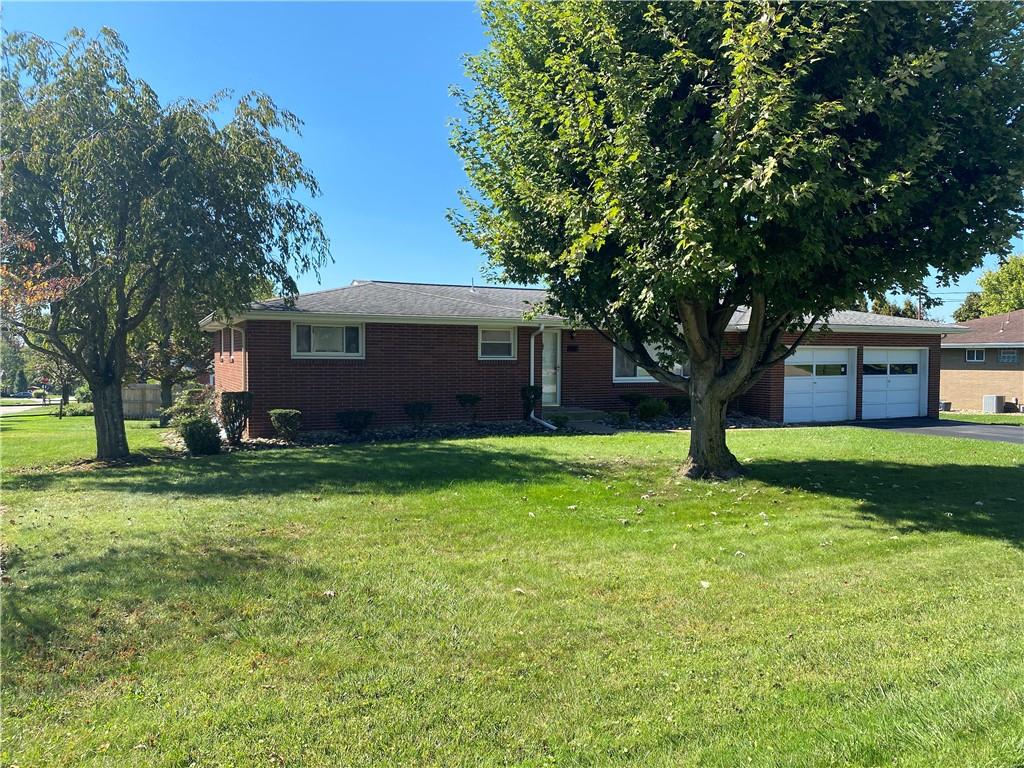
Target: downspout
<point x="533" y="378"/>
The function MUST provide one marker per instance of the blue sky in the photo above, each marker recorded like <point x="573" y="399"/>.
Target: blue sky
<point x="371" y="82"/>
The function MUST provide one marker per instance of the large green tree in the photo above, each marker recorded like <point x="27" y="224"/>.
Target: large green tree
<point x="1002" y="289"/>
<point x="970" y="309"/>
<point x="663" y="165"/>
<point x="116" y="195"/>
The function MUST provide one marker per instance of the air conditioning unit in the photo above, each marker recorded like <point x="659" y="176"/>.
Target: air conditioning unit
<point x="992" y="403"/>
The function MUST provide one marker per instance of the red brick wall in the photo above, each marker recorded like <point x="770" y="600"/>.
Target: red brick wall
<point x="765" y="398"/>
<point x="403" y="364"/>
<point x="228" y="369"/>
<point x="587" y="374"/>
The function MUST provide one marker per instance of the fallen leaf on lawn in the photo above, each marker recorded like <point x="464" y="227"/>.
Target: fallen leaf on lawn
<point x="330" y="594"/>
<point x="571" y="506"/>
<point x="519" y="591"/>
<point x="705" y="584"/>
<point x="740" y="554"/>
<point x="624" y="521"/>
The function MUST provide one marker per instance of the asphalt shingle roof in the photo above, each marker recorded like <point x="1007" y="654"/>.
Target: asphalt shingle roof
<point x="370" y="298"/>
<point x="387" y="299"/>
<point x="1006" y="328"/>
<point x="865" y="319"/>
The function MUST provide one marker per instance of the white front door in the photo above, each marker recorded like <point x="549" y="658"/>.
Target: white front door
<point x="892" y="383"/>
<point x="818" y="385"/>
<point x="551" y="368"/>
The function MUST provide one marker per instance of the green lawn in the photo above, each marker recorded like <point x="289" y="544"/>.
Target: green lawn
<point x="985" y="418"/>
<point x="856" y="600"/>
<point x="39" y="438"/>
<point x="19" y="401"/>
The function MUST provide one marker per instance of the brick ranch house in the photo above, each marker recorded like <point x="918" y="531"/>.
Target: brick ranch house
<point x="986" y="360"/>
<point x="380" y="345"/>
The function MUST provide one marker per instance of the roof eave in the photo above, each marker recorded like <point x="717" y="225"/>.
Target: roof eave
<point x="291" y="315"/>
<point x="893" y="329"/>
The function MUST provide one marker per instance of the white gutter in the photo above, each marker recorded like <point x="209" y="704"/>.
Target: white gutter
<point x="533" y="378"/>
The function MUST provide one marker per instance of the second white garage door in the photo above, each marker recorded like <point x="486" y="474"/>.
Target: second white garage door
<point x="892" y="383"/>
<point x="819" y="385"/>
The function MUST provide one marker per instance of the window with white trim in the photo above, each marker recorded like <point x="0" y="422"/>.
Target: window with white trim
<point x="496" y="343"/>
<point x="625" y="371"/>
<point x="975" y="355"/>
<point x="1008" y="356"/>
<point x="322" y="340"/>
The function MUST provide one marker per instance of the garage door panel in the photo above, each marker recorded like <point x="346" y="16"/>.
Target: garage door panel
<point x="892" y="383"/>
<point x="799" y="414"/>
<point x="817" y="385"/>
<point x="830" y="399"/>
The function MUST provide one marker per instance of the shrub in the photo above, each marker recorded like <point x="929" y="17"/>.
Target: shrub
<point x="651" y="409"/>
<point x="678" y="405"/>
<point x="560" y="420"/>
<point x="83" y="394"/>
<point x="632" y="400"/>
<point x="193" y="402"/>
<point x="469" y="402"/>
<point x="78" y="409"/>
<point x="418" y="411"/>
<point x="38" y="394"/>
<point x="620" y="418"/>
<point x="233" y="413"/>
<point x="531" y="395"/>
<point x="354" y="422"/>
<point x="201" y="435"/>
<point x="286" y="422"/>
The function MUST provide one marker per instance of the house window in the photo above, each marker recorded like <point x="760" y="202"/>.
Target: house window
<point x="496" y="343"/>
<point x="327" y="340"/>
<point x="625" y="371"/>
<point x="975" y="355"/>
<point x="1008" y="356"/>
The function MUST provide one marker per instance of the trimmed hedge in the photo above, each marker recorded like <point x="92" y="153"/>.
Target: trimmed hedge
<point x="650" y="409"/>
<point x="419" y="411"/>
<point x="201" y="436"/>
<point x="678" y="405"/>
<point x="286" y="422"/>
<point x="233" y="411"/>
<point x="354" y="422"/>
<point x="469" y="402"/>
<point x="632" y="400"/>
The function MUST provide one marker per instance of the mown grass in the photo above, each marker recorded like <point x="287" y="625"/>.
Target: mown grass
<point x="855" y="600"/>
<point x="38" y="438"/>
<point x="985" y="418"/>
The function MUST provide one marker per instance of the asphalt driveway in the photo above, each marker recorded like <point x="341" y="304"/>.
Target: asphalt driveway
<point x="1000" y="433"/>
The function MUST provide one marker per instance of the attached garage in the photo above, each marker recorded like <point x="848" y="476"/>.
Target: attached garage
<point x="820" y="385"/>
<point x="895" y="383"/>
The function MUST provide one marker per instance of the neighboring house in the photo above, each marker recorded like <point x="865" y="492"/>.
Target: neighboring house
<point x="380" y="345"/>
<point x="986" y="360"/>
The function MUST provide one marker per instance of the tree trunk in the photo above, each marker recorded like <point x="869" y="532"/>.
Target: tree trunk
<point x="166" y="400"/>
<point x="709" y="457"/>
<point x="108" y="415"/>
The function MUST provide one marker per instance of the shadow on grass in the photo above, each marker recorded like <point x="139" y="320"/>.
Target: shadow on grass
<point x="390" y="468"/>
<point x="909" y="497"/>
<point x="90" y="602"/>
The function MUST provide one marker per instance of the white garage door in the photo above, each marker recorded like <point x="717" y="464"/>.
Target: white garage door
<point x="818" y="385"/>
<point x="892" y="383"/>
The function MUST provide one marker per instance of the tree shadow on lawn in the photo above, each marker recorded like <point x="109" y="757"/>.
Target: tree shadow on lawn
<point x="386" y="467"/>
<point x="95" y="603"/>
<point x="911" y="497"/>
